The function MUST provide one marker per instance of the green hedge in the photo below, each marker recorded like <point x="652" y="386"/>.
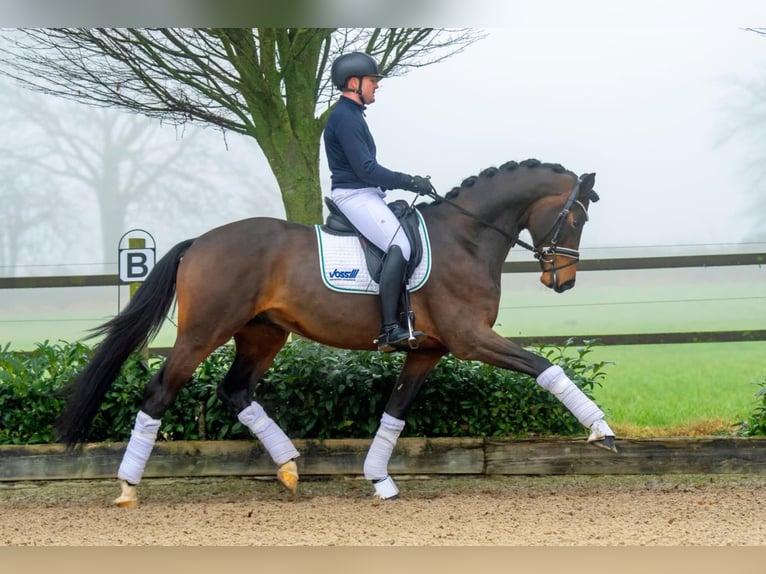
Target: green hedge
<point x="312" y="391"/>
<point x="756" y="424"/>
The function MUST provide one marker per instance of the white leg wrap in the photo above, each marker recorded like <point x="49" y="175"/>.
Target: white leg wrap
<point x="273" y="438"/>
<point x="555" y="380"/>
<point x="376" y="462"/>
<point x="140" y="446"/>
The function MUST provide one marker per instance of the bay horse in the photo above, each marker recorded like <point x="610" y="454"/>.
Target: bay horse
<point x="258" y="280"/>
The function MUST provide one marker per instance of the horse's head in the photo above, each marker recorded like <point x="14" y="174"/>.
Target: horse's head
<point x="555" y="224"/>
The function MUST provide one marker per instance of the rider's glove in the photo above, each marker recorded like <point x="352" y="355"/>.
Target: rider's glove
<point x="420" y="185"/>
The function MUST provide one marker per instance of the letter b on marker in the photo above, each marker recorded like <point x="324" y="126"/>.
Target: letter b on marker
<point x="135" y="264"/>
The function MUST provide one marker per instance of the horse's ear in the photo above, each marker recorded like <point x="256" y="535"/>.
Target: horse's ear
<point x="588" y="181"/>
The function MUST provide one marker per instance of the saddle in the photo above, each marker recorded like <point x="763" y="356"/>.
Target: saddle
<point x="337" y="224"/>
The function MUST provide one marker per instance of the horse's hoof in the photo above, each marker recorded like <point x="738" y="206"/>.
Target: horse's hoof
<point x="288" y="476"/>
<point x="386" y="489"/>
<point x="602" y="436"/>
<point x="128" y="497"/>
<point x="606" y="443"/>
<point x="394" y="497"/>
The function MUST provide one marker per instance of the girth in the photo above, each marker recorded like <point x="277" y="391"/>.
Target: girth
<point x="337" y="224"/>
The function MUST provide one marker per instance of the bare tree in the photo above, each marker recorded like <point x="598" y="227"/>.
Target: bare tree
<point x="266" y="83"/>
<point x="27" y="204"/>
<point x="750" y="128"/>
<point x="120" y="160"/>
<point x="27" y="210"/>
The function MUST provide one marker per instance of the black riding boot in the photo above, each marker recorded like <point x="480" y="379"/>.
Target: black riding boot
<point x="393" y="335"/>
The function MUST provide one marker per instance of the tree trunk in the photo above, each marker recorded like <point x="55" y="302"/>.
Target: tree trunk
<point x="296" y="169"/>
<point x="279" y="83"/>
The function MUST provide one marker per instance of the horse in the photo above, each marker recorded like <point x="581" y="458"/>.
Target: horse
<point x="257" y="280"/>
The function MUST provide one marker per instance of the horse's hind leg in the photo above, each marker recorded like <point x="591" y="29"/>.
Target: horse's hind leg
<point x="256" y="346"/>
<point x="162" y="390"/>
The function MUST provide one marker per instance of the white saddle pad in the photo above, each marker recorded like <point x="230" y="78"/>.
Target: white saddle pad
<point x="344" y="267"/>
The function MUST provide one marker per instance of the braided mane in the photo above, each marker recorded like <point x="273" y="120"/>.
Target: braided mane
<point x="506" y="167"/>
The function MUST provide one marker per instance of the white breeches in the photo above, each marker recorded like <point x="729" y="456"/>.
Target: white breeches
<point x="366" y="209"/>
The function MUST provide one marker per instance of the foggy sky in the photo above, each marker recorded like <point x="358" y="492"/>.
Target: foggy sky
<point x="646" y="96"/>
<point x="648" y="105"/>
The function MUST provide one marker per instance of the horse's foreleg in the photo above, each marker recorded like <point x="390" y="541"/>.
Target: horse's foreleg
<point x="416" y="368"/>
<point x="256" y="346"/>
<point x="495" y="350"/>
<point x="555" y="380"/>
<point x="376" y="462"/>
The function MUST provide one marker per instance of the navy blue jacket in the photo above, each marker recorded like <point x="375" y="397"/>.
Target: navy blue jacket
<point x="351" y="151"/>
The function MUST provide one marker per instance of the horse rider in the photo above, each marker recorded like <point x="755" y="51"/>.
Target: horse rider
<point x="359" y="184"/>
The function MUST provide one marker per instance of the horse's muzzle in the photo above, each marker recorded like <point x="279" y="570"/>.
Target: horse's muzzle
<point x="549" y="280"/>
<point x="557" y="280"/>
<point x="559" y="272"/>
<point x="560" y="288"/>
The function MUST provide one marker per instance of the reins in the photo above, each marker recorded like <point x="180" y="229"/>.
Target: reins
<point x="434" y="195"/>
<point x="539" y="252"/>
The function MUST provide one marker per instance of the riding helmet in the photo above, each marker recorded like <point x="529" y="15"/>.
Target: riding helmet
<point x="353" y="64"/>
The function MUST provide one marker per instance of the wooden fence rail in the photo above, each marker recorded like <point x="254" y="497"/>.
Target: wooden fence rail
<point x="412" y="456"/>
<point x="681" y="261"/>
<point x="670" y="262"/>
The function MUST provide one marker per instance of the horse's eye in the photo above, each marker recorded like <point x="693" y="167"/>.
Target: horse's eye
<point x="577" y="221"/>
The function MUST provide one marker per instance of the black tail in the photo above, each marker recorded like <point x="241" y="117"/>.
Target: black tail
<point x="137" y="324"/>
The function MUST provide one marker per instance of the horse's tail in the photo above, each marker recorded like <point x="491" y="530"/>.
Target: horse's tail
<point x="137" y="324"/>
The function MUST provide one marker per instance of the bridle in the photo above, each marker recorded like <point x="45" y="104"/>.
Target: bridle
<point x="545" y="253"/>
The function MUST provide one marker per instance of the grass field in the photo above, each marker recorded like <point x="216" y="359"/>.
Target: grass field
<point x="639" y="301"/>
<point x="680" y="389"/>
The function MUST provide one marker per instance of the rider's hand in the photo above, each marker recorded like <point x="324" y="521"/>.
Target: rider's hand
<point x="420" y="185"/>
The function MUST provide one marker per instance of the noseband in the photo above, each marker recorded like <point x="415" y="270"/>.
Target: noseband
<point x="545" y="253"/>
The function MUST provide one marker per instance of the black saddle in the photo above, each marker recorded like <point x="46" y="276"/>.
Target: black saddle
<point x="337" y="224"/>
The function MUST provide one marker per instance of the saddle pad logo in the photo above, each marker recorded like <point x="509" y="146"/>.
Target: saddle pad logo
<point x="344" y="275"/>
<point x="344" y="268"/>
